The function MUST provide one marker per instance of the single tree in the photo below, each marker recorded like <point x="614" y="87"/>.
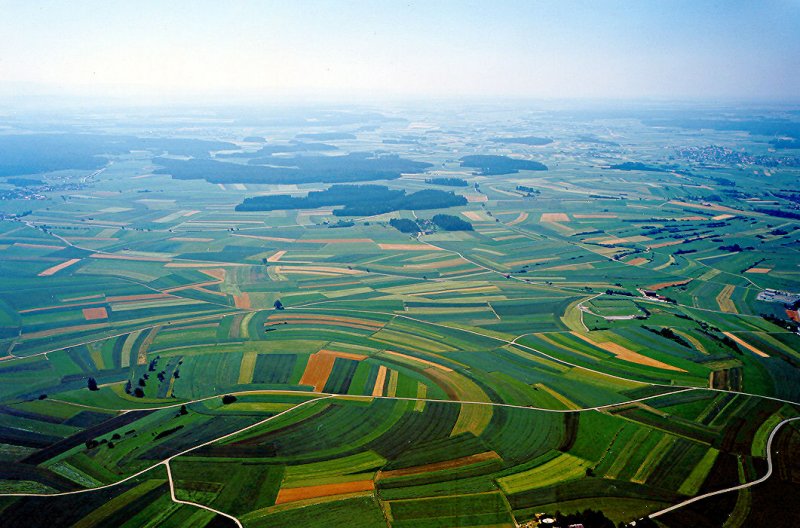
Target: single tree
<point x="92" y="384"/>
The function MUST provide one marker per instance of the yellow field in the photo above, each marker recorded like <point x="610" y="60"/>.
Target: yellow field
<point x="724" y="299"/>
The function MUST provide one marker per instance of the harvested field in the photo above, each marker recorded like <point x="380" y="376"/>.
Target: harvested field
<point x="242" y="300"/>
<point x="554" y="217"/>
<point x="665" y="244"/>
<point x="519" y="219"/>
<point x="276" y="256"/>
<point x="92" y="314"/>
<point x="723" y="217"/>
<point x="377" y="390"/>
<point x="438" y="466"/>
<point x="317" y="370"/>
<point x="316" y="270"/>
<point x="217" y="273"/>
<point x="58" y="267"/>
<point x="409" y="247"/>
<point x="637" y="261"/>
<point x="323" y="490"/>
<point x="662" y="285"/>
<point x="625" y="354"/>
<point x="320" y="365"/>
<point x="746" y="345"/>
<point x="476" y="198"/>
<point x="476" y="216"/>
<point x="758" y="270"/>
<point x="724" y="299"/>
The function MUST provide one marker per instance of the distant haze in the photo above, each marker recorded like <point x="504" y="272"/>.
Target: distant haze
<point x="360" y="50"/>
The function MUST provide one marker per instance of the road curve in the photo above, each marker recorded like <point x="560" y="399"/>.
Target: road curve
<point x="734" y="488"/>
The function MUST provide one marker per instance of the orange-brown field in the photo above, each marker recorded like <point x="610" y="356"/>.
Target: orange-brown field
<point x="319" y="367"/>
<point x="323" y="490"/>
<point x="58" y="267"/>
<point x="746" y="345"/>
<point x="662" y="285"/>
<point x="409" y="247"/>
<point x="758" y="270"/>
<point x="92" y="314"/>
<point x="554" y="217"/>
<point x="242" y="300"/>
<point x="666" y="244"/>
<point x="638" y="261"/>
<point x="626" y="354"/>
<point x="519" y="219"/>
<point x="275" y="257"/>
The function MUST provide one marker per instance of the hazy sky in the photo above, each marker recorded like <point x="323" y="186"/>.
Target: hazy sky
<point x="382" y="49"/>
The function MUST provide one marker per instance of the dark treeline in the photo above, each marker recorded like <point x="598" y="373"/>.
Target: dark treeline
<point x="358" y="200"/>
<point x="450" y="182"/>
<point x="494" y="165"/>
<point x="779" y="213"/>
<point x="305" y="169"/>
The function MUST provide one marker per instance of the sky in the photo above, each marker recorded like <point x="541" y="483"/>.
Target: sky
<point x="385" y="50"/>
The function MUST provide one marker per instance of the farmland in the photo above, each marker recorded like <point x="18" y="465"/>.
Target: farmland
<point x="196" y="331"/>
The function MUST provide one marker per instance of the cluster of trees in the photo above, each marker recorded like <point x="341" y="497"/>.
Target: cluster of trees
<point x="404" y="225"/>
<point x="451" y="223"/>
<point x="442" y="221"/>
<point x="450" y="182"/>
<point x="488" y="165"/>
<point x="358" y="200"/>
